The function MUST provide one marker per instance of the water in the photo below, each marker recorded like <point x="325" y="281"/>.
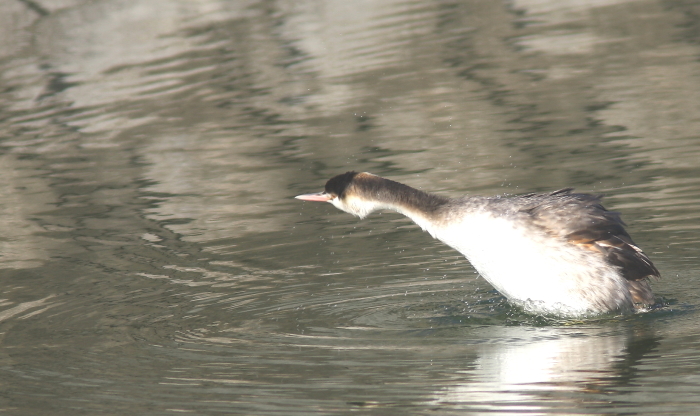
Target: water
<point x="155" y="262"/>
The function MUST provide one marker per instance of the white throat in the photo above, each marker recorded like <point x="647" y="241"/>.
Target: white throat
<point x="362" y="208"/>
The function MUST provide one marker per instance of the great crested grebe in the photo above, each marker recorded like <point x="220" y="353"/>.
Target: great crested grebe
<point x="558" y="253"/>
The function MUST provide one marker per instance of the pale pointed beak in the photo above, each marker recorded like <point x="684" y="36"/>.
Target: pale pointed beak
<point x="319" y="197"/>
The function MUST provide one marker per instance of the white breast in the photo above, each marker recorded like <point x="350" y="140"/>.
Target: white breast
<point x="542" y="273"/>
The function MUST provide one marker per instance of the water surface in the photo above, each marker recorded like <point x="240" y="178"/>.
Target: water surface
<point x="154" y="261"/>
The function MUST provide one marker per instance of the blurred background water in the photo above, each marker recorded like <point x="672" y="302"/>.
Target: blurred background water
<point x="153" y="261"/>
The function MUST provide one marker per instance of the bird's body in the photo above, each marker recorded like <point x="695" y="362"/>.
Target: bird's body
<point x="557" y="253"/>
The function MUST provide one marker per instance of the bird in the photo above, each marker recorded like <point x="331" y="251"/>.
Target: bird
<point x="559" y="253"/>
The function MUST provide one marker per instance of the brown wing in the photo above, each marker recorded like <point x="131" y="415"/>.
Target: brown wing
<point x="582" y="220"/>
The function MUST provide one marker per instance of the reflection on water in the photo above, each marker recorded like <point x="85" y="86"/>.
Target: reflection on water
<point x="519" y="364"/>
<point x="153" y="259"/>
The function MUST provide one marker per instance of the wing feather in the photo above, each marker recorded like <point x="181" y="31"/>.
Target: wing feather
<point x="581" y="219"/>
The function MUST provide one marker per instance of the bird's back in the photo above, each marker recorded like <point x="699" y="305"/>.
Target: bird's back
<point x="582" y="220"/>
